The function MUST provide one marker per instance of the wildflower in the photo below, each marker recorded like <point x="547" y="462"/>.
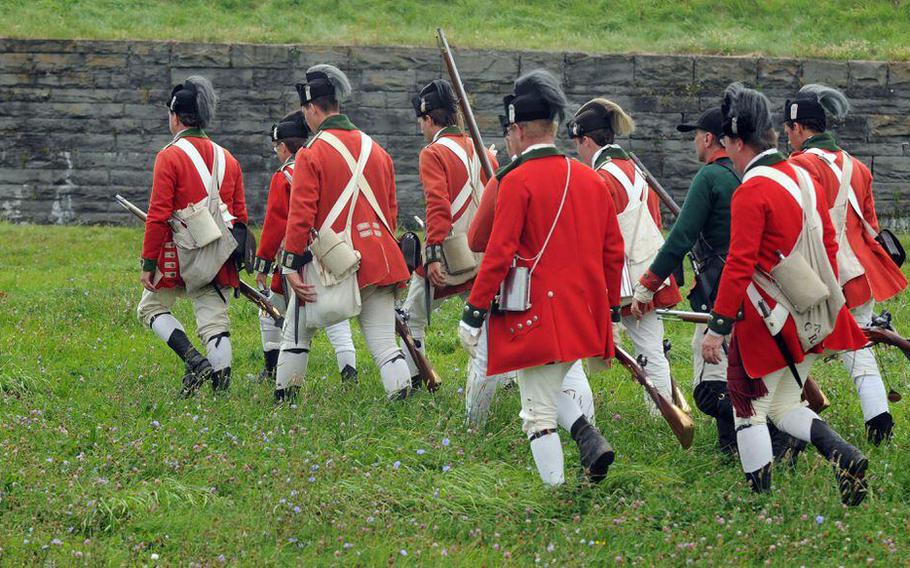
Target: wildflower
<point x="397" y="464"/>
<point x="445" y="441"/>
<point x="312" y="479"/>
<point x="156" y="424"/>
<point x="446" y="468"/>
<point x="403" y="552"/>
<point x="296" y="508"/>
<point x="154" y="557"/>
<point x="819" y="519"/>
<point x="421" y="451"/>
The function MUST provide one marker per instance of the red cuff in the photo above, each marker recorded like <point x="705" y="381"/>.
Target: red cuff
<point x="651" y="281"/>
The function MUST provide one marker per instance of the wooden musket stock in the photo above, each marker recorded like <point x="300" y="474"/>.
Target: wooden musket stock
<point x="680" y="423"/>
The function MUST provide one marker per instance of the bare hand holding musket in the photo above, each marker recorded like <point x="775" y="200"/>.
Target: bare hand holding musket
<point x="642" y="300"/>
<point x="148" y="280"/>
<point x="436" y="275"/>
<point x="262" y="280"/>
<point x="712" y="348"/>
<point x="305" y="292"/>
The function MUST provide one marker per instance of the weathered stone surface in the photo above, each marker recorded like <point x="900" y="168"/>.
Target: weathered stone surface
<point x="84" y="120"/>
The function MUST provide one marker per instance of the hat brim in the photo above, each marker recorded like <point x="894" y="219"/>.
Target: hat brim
<point x="687" y="127"/>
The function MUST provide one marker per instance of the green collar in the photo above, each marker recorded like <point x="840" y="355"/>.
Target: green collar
<point x="768" y="159"/>
<point x="337" y="122"/>
<point x="448" y="130"/>
<point x="287" y="162"/>
<point x="190" y="133"/>
<point x="609" y="152"/>
<point x="823" y="141"/>
<point x="532" y="155"/>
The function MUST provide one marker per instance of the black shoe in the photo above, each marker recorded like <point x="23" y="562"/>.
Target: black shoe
<point x="402" y="394"/>
<point x="286" y="395"/>
<point x="850" y="464"/>
<point x="221" y="379"/>
<point x="349" y="375"/>
<point x="416" y="382"/>
<point x="596" y="453"/>
<point x="266" y="376"/>
<point x="880" y="429"/>
<point x="711" y="398"/>
<point x="760" y="479"/>
<point x="198" y="370"/>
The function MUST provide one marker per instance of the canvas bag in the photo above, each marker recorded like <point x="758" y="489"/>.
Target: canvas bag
<point x="641" y="236"/>
<point x="808" y="275"/>
<point x="333" y="270"/>
<point x="461" y="263"/>
<point x="201" y="233"/>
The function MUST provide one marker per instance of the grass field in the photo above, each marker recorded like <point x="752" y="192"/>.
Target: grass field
<point x="838" y="29"/>
<point x="100" y="463"/>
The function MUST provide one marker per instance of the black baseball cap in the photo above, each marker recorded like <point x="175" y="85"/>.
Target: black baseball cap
<point x="710" y="121"/>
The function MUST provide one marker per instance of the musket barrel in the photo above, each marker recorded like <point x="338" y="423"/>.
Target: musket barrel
<point x="473" y="129"/>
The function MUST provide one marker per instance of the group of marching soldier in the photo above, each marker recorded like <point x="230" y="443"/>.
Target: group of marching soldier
<point x="555" y="258"/>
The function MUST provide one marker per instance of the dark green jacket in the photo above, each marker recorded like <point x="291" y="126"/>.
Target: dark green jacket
<point x="706" y="211"/>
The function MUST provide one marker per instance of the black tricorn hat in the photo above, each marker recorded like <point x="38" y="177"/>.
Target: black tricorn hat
<point x="805" y="107"/>
<point x="291" y="126"/>
<point x="590" y="119"/>
<point x="317" y="85"/>
<point x="183" y="99"/>
<point x="435" y="95"/>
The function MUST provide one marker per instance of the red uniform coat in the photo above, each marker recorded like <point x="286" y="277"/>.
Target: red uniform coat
<point x="276" y="220"/>
<point x="482" y="223"/>
<point x="443" y="176"/>
<point x="175" y="185"/>
<point x="667" y="296"/>
<point x="883" y="279"/>
<point x="578" y="277"/>
<point x="320" y="175"/>
<point x="764" y="218"/>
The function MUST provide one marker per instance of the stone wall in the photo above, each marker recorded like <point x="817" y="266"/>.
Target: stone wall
<point x="82" y="120"/>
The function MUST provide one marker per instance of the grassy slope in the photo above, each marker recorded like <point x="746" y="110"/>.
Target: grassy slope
<point x="806" y="28"/>
<point x="83" y="462"/>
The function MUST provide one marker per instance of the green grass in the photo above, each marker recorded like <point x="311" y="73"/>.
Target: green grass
<point x="100" y="463"/>
<point x="803" y="28"/>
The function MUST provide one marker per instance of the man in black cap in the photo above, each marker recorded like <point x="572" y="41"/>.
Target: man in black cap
<point x="343" y="191"/>
<point x="288" y="136"/>
<point x="702" y="225"/>
<point x="552" y="242"/>
<point x="197" y="195"/>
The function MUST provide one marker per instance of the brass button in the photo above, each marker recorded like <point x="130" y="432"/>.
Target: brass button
<point x="535" y="318"/>
<point x="519" y="326"/>
<point x="528" y="322"/>
<point x="511" y="330"/>
<point x="550" y="294"/>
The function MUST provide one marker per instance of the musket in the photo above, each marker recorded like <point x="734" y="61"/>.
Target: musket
<point x="427" y="372"/>
<point x="248" y="291"/>
<point x="680" y="423"/>
<point x="479" y="149"/>
<point x="679" y="399"/>
<point x="812" y="393"/>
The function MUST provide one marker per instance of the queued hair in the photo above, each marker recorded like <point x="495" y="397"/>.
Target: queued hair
<point x="448" y="116"/>
<point x="752" y="113"/>
<point x="834" y="103"/>
<point x="339" y="81"/>
<point x="620" y="123"/>
<point x="546" y="86"/>
<point x="206" y="103"/>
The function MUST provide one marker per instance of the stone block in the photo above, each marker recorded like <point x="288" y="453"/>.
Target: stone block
<point x="778" y="75"/>
<point x="200" y="55"/>
<point x="832" y="73"/>
<point x="589" y="74"/>
<point x="713" y="74"/>
<point x="261" y="56"/>
<point x="664" y="72"/>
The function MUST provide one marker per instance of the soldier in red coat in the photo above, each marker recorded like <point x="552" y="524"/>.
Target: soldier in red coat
<point x="337" y="190"/>
<point x="866" y="271"/>
<point x="769" y="353"/>
<point x="551" y="249"/>
<point x="453" y="183"/>
<point x="594" y="130"/>
<point x="288" y="136"/>
<point x="182" y="177"/>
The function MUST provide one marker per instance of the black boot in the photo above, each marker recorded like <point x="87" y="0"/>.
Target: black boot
<point x="712" y="399"/>
<point x="784" y="447"/>
<point x="286" y="395"/>
<point x="596" y="453"/>
<point x="221" y="379"/>
<point x="849" y="463"/>
<point x="880" y="429"/>
<point x="349" y="375"/>
<point x="198" y="370"/>
<point x="760" y="479"/>
<point x="416" y="382"/>
<point x="402" y="394"/>
<point x="267" y="374"/>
